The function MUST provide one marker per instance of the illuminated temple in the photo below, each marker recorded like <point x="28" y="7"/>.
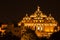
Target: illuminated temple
<point x="42" y="24"/>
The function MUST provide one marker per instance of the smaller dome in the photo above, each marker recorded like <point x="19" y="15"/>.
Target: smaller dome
<point x="50" y="17"/>
<point x="26" y="17"/>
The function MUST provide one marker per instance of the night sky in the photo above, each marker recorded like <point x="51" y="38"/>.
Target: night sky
<point x="15" y="10"/>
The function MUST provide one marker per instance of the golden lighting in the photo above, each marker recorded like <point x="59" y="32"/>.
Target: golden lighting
<point x="2" y="30"/>
<point x="45" y="24"/>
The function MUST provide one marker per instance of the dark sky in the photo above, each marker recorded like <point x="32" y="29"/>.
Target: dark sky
<point x="15" y="10"/>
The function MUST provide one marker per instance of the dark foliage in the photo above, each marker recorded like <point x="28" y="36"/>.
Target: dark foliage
<point x="55" y="36"/>
<point x="29" y="35"/>
<point x="9" y="36"/>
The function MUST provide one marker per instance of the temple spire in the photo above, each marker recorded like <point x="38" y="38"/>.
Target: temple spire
<point x="38" y="8"/>
<point x="50" y="14"/>
<point x="26" y="15"/>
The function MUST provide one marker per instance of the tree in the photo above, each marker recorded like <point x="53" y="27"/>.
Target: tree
<point x="29" y="35"/>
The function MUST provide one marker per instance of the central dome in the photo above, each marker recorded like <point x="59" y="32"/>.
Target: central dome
<point x="38" y="13"/>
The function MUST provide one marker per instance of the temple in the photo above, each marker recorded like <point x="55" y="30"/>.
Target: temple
<point x="42" y="24"/>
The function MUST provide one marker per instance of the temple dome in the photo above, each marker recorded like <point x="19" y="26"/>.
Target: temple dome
<point x="38" y="12"/>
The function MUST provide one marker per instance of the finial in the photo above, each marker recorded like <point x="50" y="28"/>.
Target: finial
<point x="26" y="14"/>
<point x="38" y="8"/>
<point x="50" y="14"/>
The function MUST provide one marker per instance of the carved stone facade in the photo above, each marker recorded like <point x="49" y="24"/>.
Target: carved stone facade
<point x="42" y="24"/>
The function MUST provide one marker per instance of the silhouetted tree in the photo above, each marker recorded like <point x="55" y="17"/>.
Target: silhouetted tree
<point x="29" y="35"/>
<point x="55" y="36"/>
